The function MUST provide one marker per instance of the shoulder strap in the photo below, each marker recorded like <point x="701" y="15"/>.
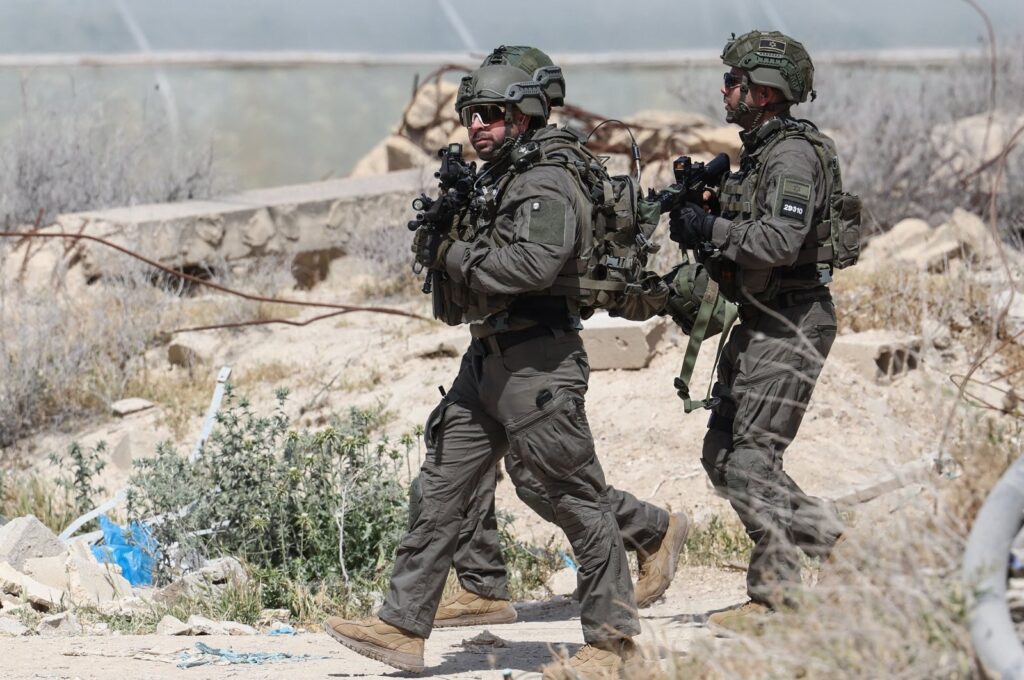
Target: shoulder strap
<point x="697" y="333"/>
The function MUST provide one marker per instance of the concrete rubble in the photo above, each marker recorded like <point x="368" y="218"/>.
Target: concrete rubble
<point x="12" y="628"/>
<point x="64" y="624"/>
<point x="879" y="355"/>
<point x="26" y="537"/>
<point x="126" y="407"/>
<point x="562" y="582"/>
<point x="915" y="244"/>
<point x="613" y="342"/>
<point x="211" y="579"/>
<point x="319" y="219"/>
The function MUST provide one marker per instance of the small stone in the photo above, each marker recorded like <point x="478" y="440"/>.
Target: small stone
<point x="126" y="407"/>
<point x="11" y="628"/>
<point x="484" y="642"/>
<point x="200" y="625"/>
<point x="562" y="582"/>
<point x="937" y="333"/>
<point x="235" y="628"/>
<point x="271" y="616"/>
<point x="170" y="625"/>
<point x="59" y="625"/>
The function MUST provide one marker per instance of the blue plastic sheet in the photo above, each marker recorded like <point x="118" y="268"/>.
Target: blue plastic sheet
<point x="134" y="550"/>
<point x="283" y="629"/>
<point x="214" y="655"/>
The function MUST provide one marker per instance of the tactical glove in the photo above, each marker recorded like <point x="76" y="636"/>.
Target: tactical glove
<point x="689" y="225"/>
<point x="430" y="248"/>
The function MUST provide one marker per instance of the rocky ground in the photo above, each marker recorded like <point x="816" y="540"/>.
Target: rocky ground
<point x="866" y="440"/>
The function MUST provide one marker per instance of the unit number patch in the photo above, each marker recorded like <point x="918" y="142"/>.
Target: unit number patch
<point x="793" y="208"/>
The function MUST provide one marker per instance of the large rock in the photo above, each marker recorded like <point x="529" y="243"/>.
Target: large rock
<point x="612" y="342"/>
<point x="11" y="628"/>
<point x="64" y="624"/>
<point x="879" y="354"/>
<point x="26" y="537"/>
<point x="206" y="582"/>
<point x="40" y="596"/>
<point x="562" y="582"/>
<point x="86" y="580"/>
<point x="403" y="154"/>
<point x="433" y="103"/>
<point x="905" y="234"/>
<point x="200" y="625"/>
<point x="170" y="625"/>
<point x="189" y="350"/>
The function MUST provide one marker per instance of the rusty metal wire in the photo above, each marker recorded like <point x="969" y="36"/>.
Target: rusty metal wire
<point x="339" y="308"/>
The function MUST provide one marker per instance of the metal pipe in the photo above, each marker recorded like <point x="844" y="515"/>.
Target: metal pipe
<point x="986" y="560"/>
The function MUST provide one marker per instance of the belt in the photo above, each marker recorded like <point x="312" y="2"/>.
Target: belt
<point x="790" y="298"/>
<point x="502" y="342"/>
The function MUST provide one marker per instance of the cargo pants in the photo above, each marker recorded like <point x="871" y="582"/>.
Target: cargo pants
<point x="478" y="561"/>
<point x="766" y="376"/>
<point x="528" y="399"/>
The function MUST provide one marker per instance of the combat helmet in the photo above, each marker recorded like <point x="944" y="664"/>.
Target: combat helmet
<point x="519" y="75"/>
<point x="773" y="59"/>
<point x="535" y="61"/>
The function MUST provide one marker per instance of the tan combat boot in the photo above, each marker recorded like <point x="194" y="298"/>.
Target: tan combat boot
<point x="464" y="608"/>
<point x="658" y="567"/>
<point x="380" y="641"/>
<point x="748" y="618"/>
<point x="599" y="661"/>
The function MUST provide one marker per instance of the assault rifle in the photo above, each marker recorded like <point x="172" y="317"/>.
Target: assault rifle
<point x="436" y="214"/>
<point x="691" y="181"/>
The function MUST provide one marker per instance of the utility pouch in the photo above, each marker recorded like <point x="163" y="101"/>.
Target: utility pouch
<point x="845" y="233"/>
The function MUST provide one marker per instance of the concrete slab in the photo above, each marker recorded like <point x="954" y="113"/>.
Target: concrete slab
<point x="612" y="342"/>
<point x="26" y="537"/>
<point x="878" y="355"/>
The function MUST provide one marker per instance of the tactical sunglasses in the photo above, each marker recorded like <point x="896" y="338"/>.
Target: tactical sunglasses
<point x="488" y="114"/>
<point x="732" y="80"/>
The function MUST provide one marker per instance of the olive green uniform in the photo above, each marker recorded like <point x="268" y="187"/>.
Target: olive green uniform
<point x="521" y="388"/>
<point x="771" y="208"/>
<point x="478" y="561"/>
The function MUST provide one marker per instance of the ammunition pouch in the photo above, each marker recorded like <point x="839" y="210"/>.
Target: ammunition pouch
<point x="687" y="284"/>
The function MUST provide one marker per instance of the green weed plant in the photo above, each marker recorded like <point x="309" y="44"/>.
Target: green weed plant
<point x="298" y="507"/>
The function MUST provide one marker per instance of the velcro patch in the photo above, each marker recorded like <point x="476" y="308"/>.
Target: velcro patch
<point x="546" y="221"/>
<point x="769" y="45"/>
<point x="791" y="208"/>
<point x="794" y="188"/>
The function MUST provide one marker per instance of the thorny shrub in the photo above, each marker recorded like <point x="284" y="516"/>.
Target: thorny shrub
<point x="278" y="499"/>
<point x="78" y="472"/>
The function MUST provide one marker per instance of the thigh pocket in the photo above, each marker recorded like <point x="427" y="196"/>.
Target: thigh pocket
<point x="555" y="438"/>
<point x="433" y="425"/>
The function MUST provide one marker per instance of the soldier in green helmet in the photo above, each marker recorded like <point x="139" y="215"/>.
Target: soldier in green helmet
<point x="522" y="383"/>
<point x="774" y="251"/>
<point x="656" y="536"/>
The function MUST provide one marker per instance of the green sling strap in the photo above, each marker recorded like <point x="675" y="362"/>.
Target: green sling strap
<point x="697" y="333"/>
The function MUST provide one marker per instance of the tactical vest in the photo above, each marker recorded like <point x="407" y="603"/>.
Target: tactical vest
<point x="833" y="240"/>
<point x="607" y="270"/>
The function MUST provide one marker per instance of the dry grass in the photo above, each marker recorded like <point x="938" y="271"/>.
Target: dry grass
<point x="183" y="395"/>
<point x="902" y="298"/>
<point x="890" y="604"/>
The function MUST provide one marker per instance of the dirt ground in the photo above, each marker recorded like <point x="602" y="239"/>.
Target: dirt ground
<point x="857" y="433"/>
